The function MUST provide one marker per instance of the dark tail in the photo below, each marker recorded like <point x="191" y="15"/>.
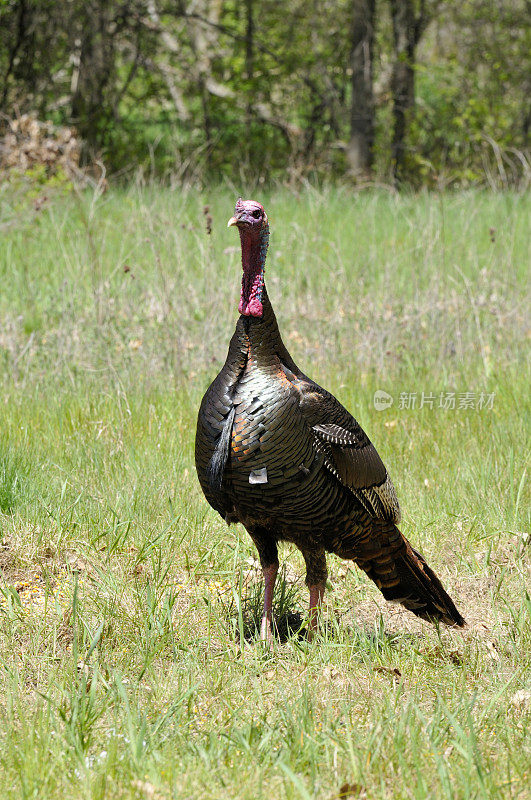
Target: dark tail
<point x="220" y="456"/>
<point x="403" y="576"/>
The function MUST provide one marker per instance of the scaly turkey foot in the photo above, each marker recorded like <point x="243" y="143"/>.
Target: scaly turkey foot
<point x="316" y="598"/>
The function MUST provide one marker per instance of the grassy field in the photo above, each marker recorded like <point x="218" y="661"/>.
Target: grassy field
<point x="129" y="666"/>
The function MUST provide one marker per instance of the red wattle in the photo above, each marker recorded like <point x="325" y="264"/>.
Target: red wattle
<point x="250" y="302"/>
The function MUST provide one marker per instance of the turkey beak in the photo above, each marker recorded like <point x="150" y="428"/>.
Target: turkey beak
<point x="233" y="221"/>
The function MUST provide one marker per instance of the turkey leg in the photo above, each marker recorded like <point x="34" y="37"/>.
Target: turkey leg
<point x="266" y="545"/>
<point x="316" y="575"/>
<point x="270" y="576"/>
<point x="316" y="598"/>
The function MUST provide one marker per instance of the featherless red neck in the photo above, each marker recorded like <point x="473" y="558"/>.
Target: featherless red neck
<point x="251" y="221"/>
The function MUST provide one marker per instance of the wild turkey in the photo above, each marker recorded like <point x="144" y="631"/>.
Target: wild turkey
<point x="282" y="456"/>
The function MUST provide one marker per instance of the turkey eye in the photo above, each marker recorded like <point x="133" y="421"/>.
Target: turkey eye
<point x="256" y="213"/>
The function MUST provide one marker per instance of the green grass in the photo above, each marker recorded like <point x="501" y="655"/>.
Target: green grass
<point x="128" y="667"/>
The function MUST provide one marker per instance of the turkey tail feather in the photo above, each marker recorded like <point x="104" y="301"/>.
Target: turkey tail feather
<point x="220" y="456"/>
<point x="420" y="590"/>
<point x="403" y="576"/>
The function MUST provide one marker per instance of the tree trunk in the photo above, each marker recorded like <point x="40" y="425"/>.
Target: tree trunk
<point x="94" y="63"/>
<point x="18" y="40"/>
<point x="249" y="75"/>
<point x="408" y="27"/>
<point x="249" y="40"/>
<point x="359" y="151"/>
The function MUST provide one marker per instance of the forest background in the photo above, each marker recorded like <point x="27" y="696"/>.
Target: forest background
<point x="410" y="92"/>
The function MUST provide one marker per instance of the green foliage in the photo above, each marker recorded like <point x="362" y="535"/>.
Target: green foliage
<point x="470" y="121"/>
<point x="12" y="480"/>
<point x="263" y="90"/>
<point x="26" y="191"/>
